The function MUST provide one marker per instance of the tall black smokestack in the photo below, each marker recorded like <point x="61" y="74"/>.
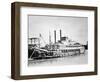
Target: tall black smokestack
<point x="55" y="36"/>
<point x="60" y="34"/>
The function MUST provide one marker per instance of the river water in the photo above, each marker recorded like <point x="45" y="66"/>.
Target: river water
<point x="68" y="60"/>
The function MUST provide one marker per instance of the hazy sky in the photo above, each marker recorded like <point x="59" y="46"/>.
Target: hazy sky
<point x="75" y="28"/>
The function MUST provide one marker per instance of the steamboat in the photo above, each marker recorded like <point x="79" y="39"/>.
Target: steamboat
<point x="61" y="48"/>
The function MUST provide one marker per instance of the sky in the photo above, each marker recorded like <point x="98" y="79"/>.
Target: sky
<point x="76" y="28"/>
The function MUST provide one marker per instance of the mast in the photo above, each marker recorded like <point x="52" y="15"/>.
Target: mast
<point x="55" y="35"/>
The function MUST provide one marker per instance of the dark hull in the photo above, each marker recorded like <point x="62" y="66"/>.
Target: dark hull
<point x="47" y="57"/>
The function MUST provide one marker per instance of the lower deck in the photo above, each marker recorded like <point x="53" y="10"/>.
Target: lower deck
<point x="66" y="60"/>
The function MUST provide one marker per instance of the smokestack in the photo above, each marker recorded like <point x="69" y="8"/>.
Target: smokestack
<point x="60" y="34"/>
<point x="55" y="35"/>
<point x="49" y="38"/>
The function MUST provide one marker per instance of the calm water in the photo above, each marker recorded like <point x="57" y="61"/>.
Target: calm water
<point x="69" y="60"/>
